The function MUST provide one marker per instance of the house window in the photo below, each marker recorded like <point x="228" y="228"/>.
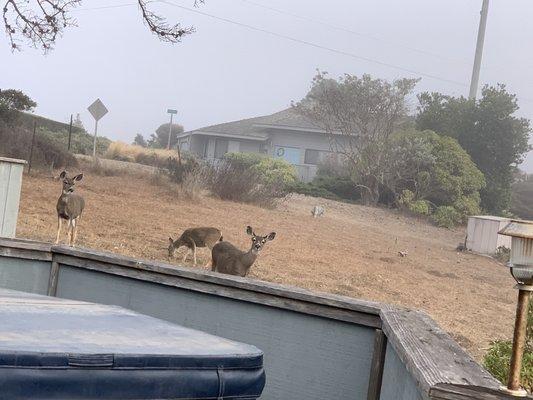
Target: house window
<point x="221" y="147"/>
<point x="314" y="157"/>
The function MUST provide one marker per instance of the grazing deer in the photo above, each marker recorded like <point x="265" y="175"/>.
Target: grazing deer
<point x="69" y="207"/>
<point x="228" y="259"/>
<point x="193" y="238"/>
<point x="317" y="211"/>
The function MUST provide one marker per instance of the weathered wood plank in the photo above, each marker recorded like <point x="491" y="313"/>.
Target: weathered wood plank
<point x="465" y="392"/>
<point x="235" y="293"/>
<point x="52" y="282"/>
<point x="378" y="362"/>
<point x="25" y="244"/>
<point x="429" y="354"/>
<point x="27" y="254"/>
<point x="226" y="280"/>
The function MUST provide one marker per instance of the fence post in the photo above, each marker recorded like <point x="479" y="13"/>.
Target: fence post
<point x="69" y="132"/>
<point x="32" y="144"/>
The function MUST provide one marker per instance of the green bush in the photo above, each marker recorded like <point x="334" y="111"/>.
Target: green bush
<point x="497" y="362"/>
<point x="446" y="216"/>
<point x="342" y="186"/>
<point x="311" y="189"/>
<point x="81" y="142"/>
<point x="270" y="170"/>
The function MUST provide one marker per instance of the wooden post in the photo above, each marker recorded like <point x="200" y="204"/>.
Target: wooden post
<point x="69" y="132"/>
<point x="519" y="340"/>
<point x="376" y="368"/>
<point x="32" y="144"/>
<point x="52" y="281"/>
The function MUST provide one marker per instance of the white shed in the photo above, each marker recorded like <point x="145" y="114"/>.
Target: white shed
<point x="482" y="234"/>
<point x="10" y="185"/>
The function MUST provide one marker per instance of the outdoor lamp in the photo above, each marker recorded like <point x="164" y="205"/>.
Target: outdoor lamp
<point x="521" y="266"/>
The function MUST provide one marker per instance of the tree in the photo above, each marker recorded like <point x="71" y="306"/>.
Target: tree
<point x="359" y="116"/>
<point x="12" y="102"/>
<point x="78" y="123"/>
<point x="139" y="140"/>
<point x="159" y="139"/>
<point x="487" y="129"/>
<point x="427" y="167"/>
<point x="39" y="22"/>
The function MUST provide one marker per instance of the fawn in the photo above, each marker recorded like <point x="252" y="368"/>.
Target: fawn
<point x="193" y="238"/>
<point x="228" y="259"/>
<point x="69" y="207"/>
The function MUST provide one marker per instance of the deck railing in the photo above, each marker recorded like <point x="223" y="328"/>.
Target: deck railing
<point x="317" y="346"/>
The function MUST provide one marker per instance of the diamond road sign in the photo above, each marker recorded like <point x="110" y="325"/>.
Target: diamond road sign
<point x="97" y="109"/>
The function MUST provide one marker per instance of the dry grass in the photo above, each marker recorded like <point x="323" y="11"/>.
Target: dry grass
<point x="133" y="153"/>
<point x="352" y="250"/>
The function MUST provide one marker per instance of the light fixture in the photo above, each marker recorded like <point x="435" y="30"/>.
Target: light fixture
<point x="521" y="266"/>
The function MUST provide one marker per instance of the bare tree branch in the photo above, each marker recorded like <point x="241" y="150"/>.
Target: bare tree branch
<point x="41" y="22"/>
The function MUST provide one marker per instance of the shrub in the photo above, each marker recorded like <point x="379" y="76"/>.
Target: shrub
<point x="497" y="361"/>
<point x="179" y="170"/>
<point x="446" y="216"/>
<point x="340" y="186"/>
<point x="271" y="170"/>
<point x="251" y="178"/>
<point x="16" y="143"/>
<point x="311" y="189"/>
<point x="81" y="142"/>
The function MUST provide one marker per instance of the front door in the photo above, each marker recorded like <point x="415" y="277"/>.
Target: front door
<point x="289" y="154"/>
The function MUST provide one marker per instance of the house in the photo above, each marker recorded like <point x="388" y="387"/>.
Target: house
<point x="284" y="134"/>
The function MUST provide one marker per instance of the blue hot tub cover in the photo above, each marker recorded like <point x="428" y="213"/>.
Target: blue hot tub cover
<point x="62" y="349"/>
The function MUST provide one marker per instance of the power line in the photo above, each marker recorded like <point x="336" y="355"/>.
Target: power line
<point x="316" y="45"/>
<point x="352" y="32"/>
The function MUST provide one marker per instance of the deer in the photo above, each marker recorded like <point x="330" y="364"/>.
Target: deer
<point x="228" y="259"/>
<point x="69" y="207"/>
<point x="193" y="238"/>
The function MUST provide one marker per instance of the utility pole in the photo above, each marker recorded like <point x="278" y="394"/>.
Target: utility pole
<point x="479" y="50"/>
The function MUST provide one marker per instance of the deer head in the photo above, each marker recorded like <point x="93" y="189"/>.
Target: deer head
<point x="68" y="183"/>
<point x="259" y="241"/>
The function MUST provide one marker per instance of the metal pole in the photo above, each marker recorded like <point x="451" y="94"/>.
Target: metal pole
<point x="169" y="131"/>
<point x="479" y="50"/>
<point x="95" y="132"/>
<point x="32" y="144"/>
<point x="69" y="132"/>
<point x="519" y="340"/>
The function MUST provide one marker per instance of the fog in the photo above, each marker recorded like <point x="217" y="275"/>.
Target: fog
<point x="226" y="71"/>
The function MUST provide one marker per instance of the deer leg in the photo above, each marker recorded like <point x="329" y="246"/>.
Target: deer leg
<point x="185" y="255"/>
<point x="59" y="223"/>
<point x="70" y="232"/>
<point x="74" y="231"/>
<point x="194" y="253"/>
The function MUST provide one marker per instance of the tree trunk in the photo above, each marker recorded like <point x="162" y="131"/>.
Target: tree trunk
<point x="370" y="192"/>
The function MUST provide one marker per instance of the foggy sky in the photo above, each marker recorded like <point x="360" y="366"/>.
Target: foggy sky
<point x="225" y="72"/>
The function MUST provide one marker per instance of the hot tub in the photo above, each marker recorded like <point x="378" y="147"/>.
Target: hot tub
<point x="53" y="348"/>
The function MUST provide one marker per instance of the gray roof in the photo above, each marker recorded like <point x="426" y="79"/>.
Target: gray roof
<point x="253" y="126"/>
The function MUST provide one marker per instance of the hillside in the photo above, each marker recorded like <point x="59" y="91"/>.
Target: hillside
<point x="352" y="250"/>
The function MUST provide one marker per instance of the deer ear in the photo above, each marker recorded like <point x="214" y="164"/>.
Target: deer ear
<point x="78" y="177"/>
<point x="271" y="236"/>
<point x="249" y="230"/>
<point x="62" y="174"/>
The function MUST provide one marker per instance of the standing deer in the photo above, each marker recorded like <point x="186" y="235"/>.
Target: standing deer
<point x="228" y="259"/>
<point x="193" y="238"/>
<point x="69" y="207"/>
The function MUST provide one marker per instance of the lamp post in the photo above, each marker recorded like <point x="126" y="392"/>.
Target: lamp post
<point x="521" y="266"/>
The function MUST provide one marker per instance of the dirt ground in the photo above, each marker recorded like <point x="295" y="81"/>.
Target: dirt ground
<point x="352" y="250"/>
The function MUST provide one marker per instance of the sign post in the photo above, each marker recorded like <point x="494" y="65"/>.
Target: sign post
<point x="97" y="110"/>
<point x="171" y="112"/>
